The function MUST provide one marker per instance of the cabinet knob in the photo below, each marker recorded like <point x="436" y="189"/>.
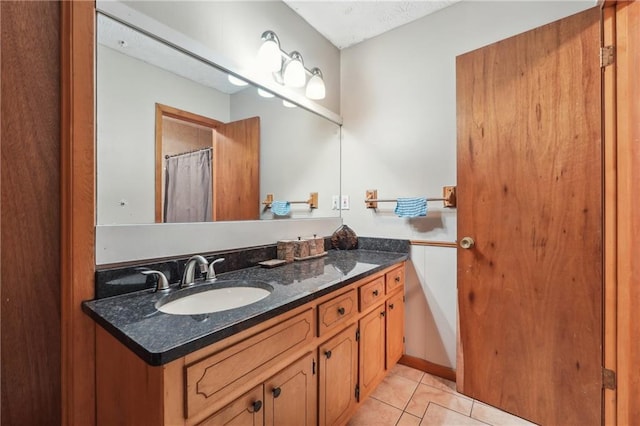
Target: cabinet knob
<point x="256" y="406"/>
<point x="328" y="354"/>
<point x="390" y="305"/>
<point x="467" y="243"/>
<point x="398" y="279"/>
<point x="375" y="292"/>
<point x="382" y="313"/>
<point x="341" y="310"/>
<point x="276" y="392"/>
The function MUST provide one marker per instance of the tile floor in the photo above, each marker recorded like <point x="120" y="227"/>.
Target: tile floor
<point x="410" y="397"/>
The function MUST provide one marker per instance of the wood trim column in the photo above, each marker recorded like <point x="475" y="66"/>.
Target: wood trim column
<point x="77" y="211"/>
<point x="628" y="217"/>
<point x="610" y="215"/>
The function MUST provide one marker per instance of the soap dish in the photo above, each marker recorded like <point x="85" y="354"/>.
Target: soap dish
<point x="272" y="263"/>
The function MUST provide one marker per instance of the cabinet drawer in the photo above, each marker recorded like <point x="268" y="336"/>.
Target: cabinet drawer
<point x="337" y="311"/>
<point x="371" y="293"/>
<point x="395" y="279"/>
<point x="245" y="410"/>
<point x="211" y="381"/>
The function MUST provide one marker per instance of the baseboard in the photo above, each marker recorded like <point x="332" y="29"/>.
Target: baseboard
<point x="428" y="367"/>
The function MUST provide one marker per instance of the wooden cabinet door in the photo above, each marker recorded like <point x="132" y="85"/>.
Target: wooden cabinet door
<point x="529" y="167"/>
<point x="290" y="397"/>
<point x="244" y="411"/>
<point x="338" y="376"/>
<point x="395" y="328"/>
<point x="372" y="348"/>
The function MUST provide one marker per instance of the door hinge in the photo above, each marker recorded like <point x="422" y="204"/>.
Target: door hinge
<point x="357" y="393"/>
<point x="313" y="367"/>
<point x="357" y="334"/>
<point x="607" y="56"/>
<point x="608" y="379"/>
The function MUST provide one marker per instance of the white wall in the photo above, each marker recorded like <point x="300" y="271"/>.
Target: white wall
<point x="126" y="93"/>
<point x="399" y="137"/>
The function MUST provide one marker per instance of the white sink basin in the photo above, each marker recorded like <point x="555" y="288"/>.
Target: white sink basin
<point x="213" y="298"/>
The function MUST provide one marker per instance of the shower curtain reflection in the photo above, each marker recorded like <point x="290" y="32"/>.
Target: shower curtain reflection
<point x="188" y="187"/>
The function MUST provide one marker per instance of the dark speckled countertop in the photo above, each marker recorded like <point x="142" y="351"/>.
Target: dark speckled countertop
<point x="159" y="338"/>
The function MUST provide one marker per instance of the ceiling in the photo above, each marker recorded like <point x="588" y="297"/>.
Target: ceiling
<point x="348" y="22"/>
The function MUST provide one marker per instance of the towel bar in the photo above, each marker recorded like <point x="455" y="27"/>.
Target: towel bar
<point x="312" y="201"/>
<point x="448" y="198"/>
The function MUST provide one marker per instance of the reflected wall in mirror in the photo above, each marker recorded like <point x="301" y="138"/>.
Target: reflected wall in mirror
<point x="297" y="152"/>
<point x="205" y="169"/>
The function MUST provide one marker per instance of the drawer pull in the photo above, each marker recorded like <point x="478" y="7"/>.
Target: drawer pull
<point x="341" y="310"/>
<point x="256" y="406"/>
<point x="375" y="292"/>
<point x="276" y="392"/>
<point x="328" y="354"/>
<point x="390" y="305"/>
<point x="398" y="279"/>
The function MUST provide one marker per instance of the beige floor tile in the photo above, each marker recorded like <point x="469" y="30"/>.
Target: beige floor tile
<point x="375" y="413"/>
<point x="440" y="416"/>
<point x="407" y="372"/>
<point x="440" y="383"/>
<point x="395" y="390"/>
<point x="425" y="394"/>
<point x="496" y="417"/>
<point x="408" y="420"/>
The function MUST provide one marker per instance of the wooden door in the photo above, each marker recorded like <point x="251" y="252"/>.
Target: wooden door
<point x="291" y="395"/>
<point x="236" y="171"/>
<point x="530" y="195"/>
<point x="372" y="347"/>
<point x="395" y="329"/>
<point x="244" y="411"/>
<point x="338" y="377"/>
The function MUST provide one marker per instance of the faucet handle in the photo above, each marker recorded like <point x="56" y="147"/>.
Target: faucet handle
<point x="211" y="273"/>
<point x="163" y="283"/>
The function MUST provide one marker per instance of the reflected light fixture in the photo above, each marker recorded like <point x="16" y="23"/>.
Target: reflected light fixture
<point x="264" y="93"/>
<point x="236" y="81"/>
<point x="288" y="104"/>
<point x="289" y="68"/>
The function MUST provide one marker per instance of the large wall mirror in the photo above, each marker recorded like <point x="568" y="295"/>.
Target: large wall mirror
<point x="256" y="144"/>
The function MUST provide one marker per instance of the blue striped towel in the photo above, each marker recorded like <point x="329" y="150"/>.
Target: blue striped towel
<point x="280" y="208"/>
<point x="411" y="207"/>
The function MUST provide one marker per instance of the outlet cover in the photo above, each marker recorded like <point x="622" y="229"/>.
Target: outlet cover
<point x="335" y="202"/>
<point x="345" y="202"/>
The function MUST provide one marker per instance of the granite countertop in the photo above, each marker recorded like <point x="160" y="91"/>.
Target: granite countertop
<point x="159" y="338"/>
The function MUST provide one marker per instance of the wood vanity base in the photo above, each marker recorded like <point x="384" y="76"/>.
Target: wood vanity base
<point x="311" y="365"/>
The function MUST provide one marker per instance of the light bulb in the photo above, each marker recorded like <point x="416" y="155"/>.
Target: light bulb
<point x="264" y="93"/>
<point x="236" y="81"/>
<point x="315" y="86"/>
<point x="288" y="104"/>
<point x="294" y="74"/>
<point x="269" y="54"/>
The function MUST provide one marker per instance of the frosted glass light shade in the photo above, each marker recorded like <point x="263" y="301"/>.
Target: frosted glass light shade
<point x="269" y="56"/>
<point x="264" y="93"/>
<point x="236" y="81"/>
<point x="294" y="74"/>
<point x="288" y="104"/>
<point x="315" y="86"/>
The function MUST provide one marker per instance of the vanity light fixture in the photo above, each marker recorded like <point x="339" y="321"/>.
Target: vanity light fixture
<point x="289" y="68"/>
<point x="236" y="81"/>
<point x="265" y="94"/>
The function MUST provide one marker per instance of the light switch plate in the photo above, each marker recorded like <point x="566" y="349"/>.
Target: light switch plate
<point x="335" y="202"/>
<point x="345" y="202"/>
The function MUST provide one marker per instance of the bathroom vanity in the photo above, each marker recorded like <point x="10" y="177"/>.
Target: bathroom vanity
<point x="304" y="355"/>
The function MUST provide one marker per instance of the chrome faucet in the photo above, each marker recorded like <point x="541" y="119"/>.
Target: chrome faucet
<point x="211" y="273"/>
<point x="163" y="284"/>
<point x="189" y="270"/>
